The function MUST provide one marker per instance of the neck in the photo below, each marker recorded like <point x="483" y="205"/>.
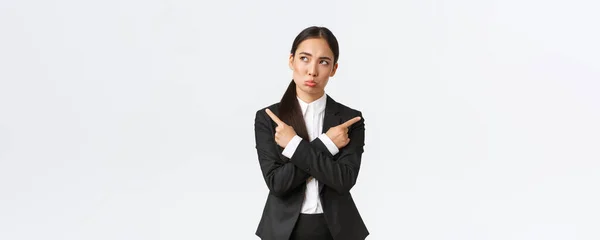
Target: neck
<point x="308" y="97"/>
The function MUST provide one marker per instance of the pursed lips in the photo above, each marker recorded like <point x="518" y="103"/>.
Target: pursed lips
<point x="310" y="83"/>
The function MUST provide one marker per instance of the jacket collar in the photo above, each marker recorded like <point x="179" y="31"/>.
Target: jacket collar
<point x="332" y="117"/>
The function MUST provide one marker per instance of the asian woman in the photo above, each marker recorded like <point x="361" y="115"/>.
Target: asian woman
<point x="309" y="149"/>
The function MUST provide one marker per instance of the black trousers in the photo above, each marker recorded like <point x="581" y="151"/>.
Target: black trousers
<point x="311" y="227"/>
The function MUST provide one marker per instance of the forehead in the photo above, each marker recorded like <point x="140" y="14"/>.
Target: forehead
<point x="315" y="46"/>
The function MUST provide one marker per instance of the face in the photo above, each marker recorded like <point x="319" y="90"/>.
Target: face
<point x="312" y="65"/>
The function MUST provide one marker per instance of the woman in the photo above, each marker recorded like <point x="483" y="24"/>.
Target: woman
<point x="309" y="149"/>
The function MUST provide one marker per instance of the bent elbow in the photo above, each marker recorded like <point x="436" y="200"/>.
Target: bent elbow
<point x="345" y="187"/>
<point x="277" y="189"/>
<point x="346" y="181"/>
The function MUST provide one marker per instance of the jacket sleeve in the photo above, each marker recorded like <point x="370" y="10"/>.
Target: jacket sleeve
<point x="340" y="174"/>
<point x="280" y="176"/>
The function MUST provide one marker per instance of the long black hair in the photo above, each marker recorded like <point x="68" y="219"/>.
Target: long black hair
<point x="289" y="108"/>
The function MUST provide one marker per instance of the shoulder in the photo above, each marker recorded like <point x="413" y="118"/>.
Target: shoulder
<point x="345" y="110"/>
<point x="346" y="113"/>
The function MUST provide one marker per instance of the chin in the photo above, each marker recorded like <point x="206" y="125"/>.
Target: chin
<point x="312" y="90"/>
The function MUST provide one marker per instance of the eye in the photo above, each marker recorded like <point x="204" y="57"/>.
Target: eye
<point x="303" y="58"/>
<point x="324" y="62"/>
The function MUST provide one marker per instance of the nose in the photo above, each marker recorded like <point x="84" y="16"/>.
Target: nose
<point x="312" y="70"/>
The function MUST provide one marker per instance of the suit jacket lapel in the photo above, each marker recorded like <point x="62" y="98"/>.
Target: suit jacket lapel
<point x="331" y="119"/>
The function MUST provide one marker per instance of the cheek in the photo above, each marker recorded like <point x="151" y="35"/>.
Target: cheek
<point x="298" y="68"/>
<point x="326" y="70"/>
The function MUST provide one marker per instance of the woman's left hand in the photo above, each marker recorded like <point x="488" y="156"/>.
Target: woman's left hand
<point x="283" y="132"/>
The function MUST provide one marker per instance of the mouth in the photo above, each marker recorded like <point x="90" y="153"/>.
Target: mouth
<point x="310" y="83"/>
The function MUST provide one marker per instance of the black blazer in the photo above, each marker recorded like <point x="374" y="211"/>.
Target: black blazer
<point x="286" y="178"/>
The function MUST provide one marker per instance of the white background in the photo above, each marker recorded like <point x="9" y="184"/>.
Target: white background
<point x="134" y="119"/>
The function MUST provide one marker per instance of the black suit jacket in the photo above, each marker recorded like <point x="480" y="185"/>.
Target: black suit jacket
<point x="286" y="177"/>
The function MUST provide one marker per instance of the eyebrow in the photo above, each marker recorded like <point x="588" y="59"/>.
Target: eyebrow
<point x="305" y="53"/>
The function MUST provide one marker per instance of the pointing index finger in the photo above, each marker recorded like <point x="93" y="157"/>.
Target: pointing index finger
<point x="274" y="117"/>
<point x="349" y="123"/>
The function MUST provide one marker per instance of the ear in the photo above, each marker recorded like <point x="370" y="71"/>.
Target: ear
<point x="333" y="70"/>
<point x="291" y="61"/>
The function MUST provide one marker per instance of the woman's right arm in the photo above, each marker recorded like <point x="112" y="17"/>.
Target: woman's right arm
<point x="280" y="176"/>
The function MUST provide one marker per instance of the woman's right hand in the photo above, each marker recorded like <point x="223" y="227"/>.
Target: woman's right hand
<point x="339" y="133"/>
